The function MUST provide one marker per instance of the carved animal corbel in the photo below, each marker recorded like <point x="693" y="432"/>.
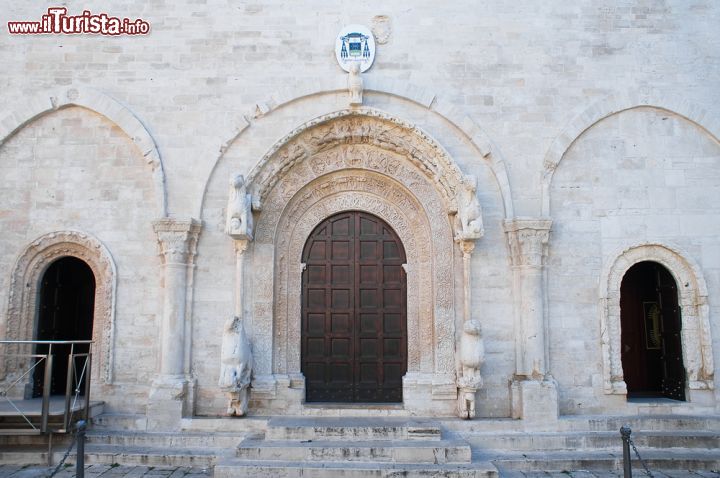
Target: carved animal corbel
<point x="239" y="222"/>
<point x="469" y="213"/>
<point x="236" y="367"/>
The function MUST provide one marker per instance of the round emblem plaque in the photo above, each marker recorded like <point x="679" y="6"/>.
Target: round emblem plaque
<point x="355" y="44"/>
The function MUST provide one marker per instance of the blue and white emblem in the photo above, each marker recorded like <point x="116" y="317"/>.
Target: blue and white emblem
<point x="355" y="44"/>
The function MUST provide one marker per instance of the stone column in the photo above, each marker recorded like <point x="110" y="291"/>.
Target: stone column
<point x="170" y="395"/>
<point x="534" y="391"/>
<point x="241" y="246"/>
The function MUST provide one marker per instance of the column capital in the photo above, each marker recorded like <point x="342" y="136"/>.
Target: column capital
<point x="241" y="245"/>
<point x="177" y="239"/>
<point x="528" y="240"/>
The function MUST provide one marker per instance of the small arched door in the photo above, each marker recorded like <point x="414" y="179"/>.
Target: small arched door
<point x="354" y="326"/>
<point x="65" y="312"/>
<point x="651" y="346"/>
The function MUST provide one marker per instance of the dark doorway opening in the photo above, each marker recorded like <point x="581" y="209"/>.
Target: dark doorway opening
<point x="651" y="346"/>
<point x="65" y="312"/>
<point x="354" y="325"/>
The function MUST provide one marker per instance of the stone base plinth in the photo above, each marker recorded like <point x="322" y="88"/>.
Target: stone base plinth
<point x="169" y="402"/>
<point x="535" y="401"/>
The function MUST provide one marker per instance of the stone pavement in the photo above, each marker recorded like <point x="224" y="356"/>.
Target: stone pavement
<point x="105" y="471"/>
<point x="121" y="471"/>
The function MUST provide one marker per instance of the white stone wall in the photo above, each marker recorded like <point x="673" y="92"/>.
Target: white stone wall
<point x="641" y="176"/>
<point x="216" y="84"/>
<point x="74" y="170"/>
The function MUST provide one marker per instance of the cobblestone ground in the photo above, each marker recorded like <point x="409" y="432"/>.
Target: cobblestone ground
<point x="105" y="471"/>
<point x="120" y="471"/>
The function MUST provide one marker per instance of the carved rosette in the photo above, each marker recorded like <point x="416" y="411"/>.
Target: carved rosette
<point x="528" y="241"/>
<point x="177" y="239"/>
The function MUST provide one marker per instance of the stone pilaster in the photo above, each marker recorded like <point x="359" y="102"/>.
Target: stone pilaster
<point x="171" y="392"/>
<point x="534" y="391"/>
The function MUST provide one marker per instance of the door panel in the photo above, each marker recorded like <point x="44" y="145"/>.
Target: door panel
<point x="354" y="331"/>
<point x="651" y="349"/>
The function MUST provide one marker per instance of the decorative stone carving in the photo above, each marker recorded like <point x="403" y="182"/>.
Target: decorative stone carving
<point x="239" y="223"/>
<point x="472" y="356"/>
<point x="236" y="366"/>
<point x="365" y="160"/>
<point x="693" y="300"/>
<point x="469" y="214"/>
<point x="359" y="126"/>
<point x="24" y="293"/>
<point x="355" y="85"/>
<point x="528" y="240"/>
<point x="382" y="28"/>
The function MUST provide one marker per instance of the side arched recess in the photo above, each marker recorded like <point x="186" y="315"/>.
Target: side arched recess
<point x="29" y="109"/>
<point x="693" y="300"/>
<point x="357" y="160"/>
<point x="25" y="289"/>
<point x="612" y="105"/>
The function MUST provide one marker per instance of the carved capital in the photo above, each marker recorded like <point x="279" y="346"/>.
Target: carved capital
<point x="177" y="239"/>
<point x="241" y="245"/>
<point x="528" y="240"/>
<point x="467" y="246"/>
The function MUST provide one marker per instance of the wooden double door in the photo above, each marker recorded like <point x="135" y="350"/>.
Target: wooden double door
<point x="354" y="327"/>
<point x="651" y="333"/>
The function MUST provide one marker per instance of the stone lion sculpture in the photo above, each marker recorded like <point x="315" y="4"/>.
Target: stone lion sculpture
<point x="469" y="212"/>
<point x="472" y="357"/>
<point x="239" y="214"/>
<point x="236" y="366"/>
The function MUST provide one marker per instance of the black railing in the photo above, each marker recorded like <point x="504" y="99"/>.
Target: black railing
<point x="36" y="368"/>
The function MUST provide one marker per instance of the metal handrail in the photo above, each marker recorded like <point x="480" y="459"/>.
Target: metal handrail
<point x="74" y="379"/>
<point x="61" y="342"/>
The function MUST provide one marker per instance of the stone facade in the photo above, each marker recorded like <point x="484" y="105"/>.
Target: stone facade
<point x="526" y="154"/>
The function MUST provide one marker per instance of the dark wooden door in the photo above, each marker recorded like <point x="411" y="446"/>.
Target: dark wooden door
<point x="651" y="347"/>
<point x="67" y="300"/>
<point x="354" y="331"/>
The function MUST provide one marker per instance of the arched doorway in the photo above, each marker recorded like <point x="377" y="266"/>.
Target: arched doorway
<point x="651" y="347"/>
<point x="354" y="326"/>
<point x="65" y="312"/>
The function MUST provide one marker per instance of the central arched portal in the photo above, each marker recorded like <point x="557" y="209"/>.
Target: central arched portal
<point x="354" y="303"/>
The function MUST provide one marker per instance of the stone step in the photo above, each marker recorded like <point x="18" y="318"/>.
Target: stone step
<point x="292" y="428"/>
<point x="237" y="468"/>
<point x="521" y="441"/>
<point x="224" y="424"/>
<point x="407" y="451"/>
<point x="166" y="439"/>
<point x="640" y="423"/>
<point x="150" y="456"/>
<point x="677" y="459"/>
<point x="119" y="421"/>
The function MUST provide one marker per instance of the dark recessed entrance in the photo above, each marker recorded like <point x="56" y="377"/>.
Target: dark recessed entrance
<point x="650" y="322"/>
<point x="354" y="331"/>
<point x="67" y="300"/>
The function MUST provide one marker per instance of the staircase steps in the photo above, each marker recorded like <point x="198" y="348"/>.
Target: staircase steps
<point x="353" y="447"/>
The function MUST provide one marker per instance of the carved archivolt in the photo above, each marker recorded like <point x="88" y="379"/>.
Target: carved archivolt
<point x="353" y="177"/>
<point x="25" y="289"/>
<point x="696" y="339"/>
<point x="359" y="126"/>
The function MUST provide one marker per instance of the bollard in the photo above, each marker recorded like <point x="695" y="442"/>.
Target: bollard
<point x="627" y="466"/>
<point x="80" y="460"/>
